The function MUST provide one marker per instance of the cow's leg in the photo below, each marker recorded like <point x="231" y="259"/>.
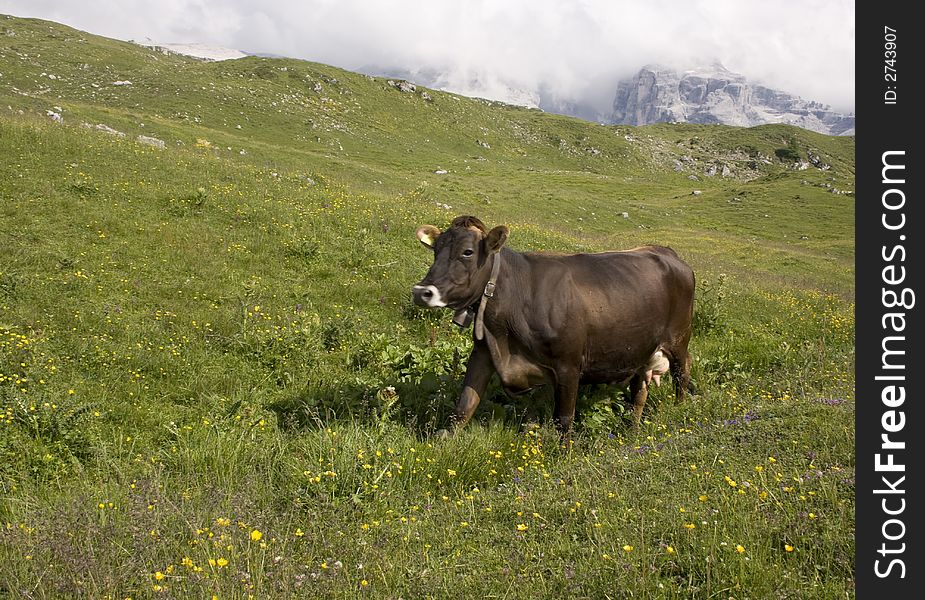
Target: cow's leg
<point x="681" y="373"/>
<point x="566" y="398"/>
<point x="639" y="392"/>
<point x="479" y="370"/>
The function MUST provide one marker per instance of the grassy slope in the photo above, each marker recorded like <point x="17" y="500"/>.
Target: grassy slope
<point x="205" y="339"/>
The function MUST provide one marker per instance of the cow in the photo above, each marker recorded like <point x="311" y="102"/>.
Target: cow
<point x="561" y="319"/>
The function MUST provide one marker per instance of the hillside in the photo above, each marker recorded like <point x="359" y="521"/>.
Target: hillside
<point x="299" y="116"/>
<point x="212" y="379"/>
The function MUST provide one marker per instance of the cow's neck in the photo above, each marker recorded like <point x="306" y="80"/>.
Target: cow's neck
<point x="487" y="295"/>
<point x="508" y="287"/>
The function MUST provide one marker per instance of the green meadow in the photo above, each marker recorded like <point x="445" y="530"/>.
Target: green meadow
<point x="213" y="382"/>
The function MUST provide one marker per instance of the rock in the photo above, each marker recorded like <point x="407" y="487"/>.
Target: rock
<point x="440" y="172"/>
<point x="427" y="97"/>
<point x="122" y="83"/>
<point x="816" y="161"/>
<point x="678" y="167"/>
<point x="726" y="172"/>
<point x="403" y="86"/>
<point x="151" y="141"/>
<point x="696" y="193"/>
<point x="713" y="94"/>
<point x="55" y="116"/>
<point x="625" y="215"/>
<point x="109" y="130"/>
<point x="693" y="178"/>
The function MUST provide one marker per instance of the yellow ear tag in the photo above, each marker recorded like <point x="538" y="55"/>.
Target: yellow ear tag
<point x="427" y="234"/>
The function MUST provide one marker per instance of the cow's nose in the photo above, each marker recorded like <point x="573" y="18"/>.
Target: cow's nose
<point x="422" y="295"/>
<point x="427" y="295"/>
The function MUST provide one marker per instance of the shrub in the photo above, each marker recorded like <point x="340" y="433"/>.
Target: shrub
<point x="709" y="305"/>
<point x="789" y="154"/>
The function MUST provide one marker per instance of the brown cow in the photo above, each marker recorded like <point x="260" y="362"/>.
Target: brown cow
<point x="565" y="319"/>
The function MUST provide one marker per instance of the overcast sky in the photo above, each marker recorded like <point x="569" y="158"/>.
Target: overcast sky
<point x="805" y="47"/>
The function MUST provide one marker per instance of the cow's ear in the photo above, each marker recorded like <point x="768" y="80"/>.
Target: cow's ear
<point x="427" y="234"/>
<point x="496" y="238"/>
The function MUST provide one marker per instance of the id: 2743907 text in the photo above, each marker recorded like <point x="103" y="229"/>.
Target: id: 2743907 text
<point x="889" y="65"/>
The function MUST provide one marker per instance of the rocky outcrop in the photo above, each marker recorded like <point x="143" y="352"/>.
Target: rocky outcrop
<point x="403" y="86"/>
<point x="716" y="95"/>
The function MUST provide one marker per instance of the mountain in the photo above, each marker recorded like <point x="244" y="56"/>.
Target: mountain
<point x="658" y="94"/>
<point x="322" y="114"/>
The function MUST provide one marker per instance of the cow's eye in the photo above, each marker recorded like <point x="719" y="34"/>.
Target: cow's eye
<point x="467" y="253"/>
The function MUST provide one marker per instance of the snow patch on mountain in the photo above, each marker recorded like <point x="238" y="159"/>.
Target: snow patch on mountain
<point x="203" y="51"/>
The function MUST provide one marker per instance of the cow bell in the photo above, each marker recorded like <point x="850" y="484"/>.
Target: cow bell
<point x="463" y="317"/>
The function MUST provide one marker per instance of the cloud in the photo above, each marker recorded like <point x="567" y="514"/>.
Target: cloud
<point x="572" y="48"/>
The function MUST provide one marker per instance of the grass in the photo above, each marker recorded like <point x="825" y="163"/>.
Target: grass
<point x="212" y="380"/>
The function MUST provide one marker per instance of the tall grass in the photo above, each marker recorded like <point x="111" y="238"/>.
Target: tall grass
<point x="213" y="383"/>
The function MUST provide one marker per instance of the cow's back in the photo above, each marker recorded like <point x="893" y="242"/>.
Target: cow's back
<point x="614" y="308"/>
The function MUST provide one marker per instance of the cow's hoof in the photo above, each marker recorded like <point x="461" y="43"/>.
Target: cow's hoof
<point x="442" y="434"/>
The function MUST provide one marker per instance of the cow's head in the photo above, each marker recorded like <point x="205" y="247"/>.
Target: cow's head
<point x="461" y="267"/>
